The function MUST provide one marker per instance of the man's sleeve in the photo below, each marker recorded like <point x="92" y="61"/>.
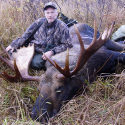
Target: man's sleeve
<point x="27" y="34"/>
<point x="64" y="43"/>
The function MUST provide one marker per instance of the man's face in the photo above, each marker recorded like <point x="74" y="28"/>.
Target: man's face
<point x="51" y="14"/>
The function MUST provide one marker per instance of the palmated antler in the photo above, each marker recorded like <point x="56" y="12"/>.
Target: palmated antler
<point x="85" y="54"/>
<point x="19" y="62"/>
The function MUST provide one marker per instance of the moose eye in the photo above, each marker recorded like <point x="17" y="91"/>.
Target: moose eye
<point x="59" y="89"/>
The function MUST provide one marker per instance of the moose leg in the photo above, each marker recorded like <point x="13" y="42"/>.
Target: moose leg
<point x="102" y="63"/>
<point x="121" y="58"/>
<point x="117" y="57"/>
<point x="121" y="42"/>
<point x="37" y="62"/>
<point x="115" y="46"/>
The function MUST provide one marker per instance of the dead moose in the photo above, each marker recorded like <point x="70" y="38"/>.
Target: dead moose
<point x="94" y="55"/>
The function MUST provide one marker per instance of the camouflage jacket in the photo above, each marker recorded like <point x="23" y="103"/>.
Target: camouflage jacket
<point x="54" y="36"/>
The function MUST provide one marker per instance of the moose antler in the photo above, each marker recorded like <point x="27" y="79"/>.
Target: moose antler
<point x="20" y="64"/>
<point x="7" y="60"/>
<point x="85" y="54"/>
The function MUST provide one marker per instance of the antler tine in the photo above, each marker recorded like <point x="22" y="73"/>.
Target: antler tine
<point x="97" y="43"/>
<point x="1" y="53"/>
<point x="12" y="78"/>
<point x="65" y="71"/>
<point x="18" y="77"/>
<point x="95" y="32"/>
<point x="85" y="54"/>
<point x="106" y="34"/>
<point x="20" y="67"/>
<point x="94" y="46"/>
<point x="82" y="51"/>
<point x="4" y="50"/>
<point x="111" y="29"/>
<point x="7" y="61"/>
<point x="80" y="39"/>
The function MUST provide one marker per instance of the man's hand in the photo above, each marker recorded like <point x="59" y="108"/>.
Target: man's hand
<point x="48" y="54"/>
<point x="9" y="48"/>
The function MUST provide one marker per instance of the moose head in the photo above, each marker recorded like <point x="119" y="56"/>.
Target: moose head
<point x="57" y="85"/>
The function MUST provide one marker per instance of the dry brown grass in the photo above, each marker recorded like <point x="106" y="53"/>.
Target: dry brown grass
<point x="102" y="104"/>
<point x="16" y="17"/>
<point x="104" y="11"/>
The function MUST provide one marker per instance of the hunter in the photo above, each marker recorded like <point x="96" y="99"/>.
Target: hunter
<point x="49" y="35"/>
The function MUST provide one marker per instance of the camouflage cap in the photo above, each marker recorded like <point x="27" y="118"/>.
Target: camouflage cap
<point x="51" y="5"/>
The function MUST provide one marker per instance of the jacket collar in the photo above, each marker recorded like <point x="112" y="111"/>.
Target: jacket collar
<point x="49" y="25"/>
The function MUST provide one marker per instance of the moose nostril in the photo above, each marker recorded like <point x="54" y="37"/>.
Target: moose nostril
<point x="42" y="118"/>
<point x="33" y="115"/>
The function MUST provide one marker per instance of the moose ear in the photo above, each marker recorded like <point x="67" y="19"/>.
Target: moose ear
<point x="60" y="77"/>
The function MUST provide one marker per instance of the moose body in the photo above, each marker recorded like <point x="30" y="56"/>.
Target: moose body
<point x="57" y="85"/>
<point x="55" y="89"/>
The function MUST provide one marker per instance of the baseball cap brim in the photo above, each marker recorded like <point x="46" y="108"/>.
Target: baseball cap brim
<point x="49" y="6"/>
